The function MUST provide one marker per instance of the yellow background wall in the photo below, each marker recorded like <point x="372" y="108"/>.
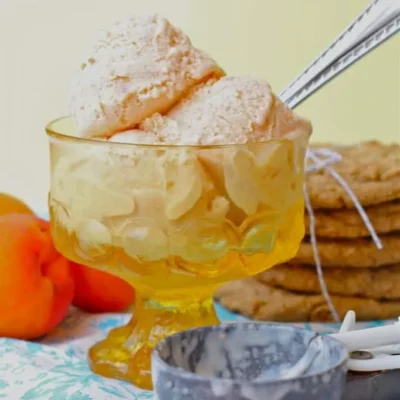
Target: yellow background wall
<point x="41" y="42"/>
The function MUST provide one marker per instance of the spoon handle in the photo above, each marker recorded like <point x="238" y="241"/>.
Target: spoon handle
<point x="377" y="23"/>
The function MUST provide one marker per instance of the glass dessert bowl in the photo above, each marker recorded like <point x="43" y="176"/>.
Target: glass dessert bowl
<point x="175" y="222"/>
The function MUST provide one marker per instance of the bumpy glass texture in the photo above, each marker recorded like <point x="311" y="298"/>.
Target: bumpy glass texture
<point x="175" y="222"/>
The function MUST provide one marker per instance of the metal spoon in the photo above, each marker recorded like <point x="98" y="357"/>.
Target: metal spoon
<point x="377" y="23"/>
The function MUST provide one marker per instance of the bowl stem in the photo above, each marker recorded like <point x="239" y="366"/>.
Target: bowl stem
<point x="126" y="352"/>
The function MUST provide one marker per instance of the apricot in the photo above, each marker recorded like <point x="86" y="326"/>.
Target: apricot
<point x="11" y="205"/>
<point x="98" y="291"/>
<point x="36" y="288"/>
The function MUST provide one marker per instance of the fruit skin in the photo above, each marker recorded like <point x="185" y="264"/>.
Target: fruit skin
<point x="11" y="205"/>
<point x="36" y="288"/>
<point x="97" y="291"/>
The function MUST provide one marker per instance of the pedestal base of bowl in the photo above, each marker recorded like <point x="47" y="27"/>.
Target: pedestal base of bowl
<point x="126" y="352"/>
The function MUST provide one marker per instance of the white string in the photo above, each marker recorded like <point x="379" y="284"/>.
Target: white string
<point x="364" y="216"/>
<point x="323" y="159"/>
<point x="317" y="259"/>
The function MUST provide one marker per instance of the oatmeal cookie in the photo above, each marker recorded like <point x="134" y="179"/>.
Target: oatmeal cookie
<point x="347" y="223"/>
<point x="371" y="169"/>
<point x="358" y="253"/>
<point x="374" y="283"/>
<point x="266" y="303"/>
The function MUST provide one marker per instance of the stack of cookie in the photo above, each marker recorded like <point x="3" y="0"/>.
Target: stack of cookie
<point x="358" y="275"/>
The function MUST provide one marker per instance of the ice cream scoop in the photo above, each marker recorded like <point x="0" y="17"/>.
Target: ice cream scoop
<point x="136" y="67"/>
<point x="231" y="110"/>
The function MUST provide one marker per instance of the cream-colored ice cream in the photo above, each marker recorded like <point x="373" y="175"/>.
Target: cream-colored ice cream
<point x="231" y="110"/>
<point x="135" y="68"/>
<point x="165" y="129"/>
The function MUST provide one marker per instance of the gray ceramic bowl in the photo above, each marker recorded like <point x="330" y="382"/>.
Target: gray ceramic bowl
<point x="249" y="361"/>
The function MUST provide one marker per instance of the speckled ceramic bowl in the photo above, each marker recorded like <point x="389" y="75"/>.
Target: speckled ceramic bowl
<point x="249" y="361"/>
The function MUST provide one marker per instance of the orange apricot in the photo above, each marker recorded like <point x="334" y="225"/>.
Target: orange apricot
<point x="97" y="291"/>
<point x="36" y="288"/>
<point x="11" y="205"/>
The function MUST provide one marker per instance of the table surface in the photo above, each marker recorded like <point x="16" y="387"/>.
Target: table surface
<point x="55" y="368"/>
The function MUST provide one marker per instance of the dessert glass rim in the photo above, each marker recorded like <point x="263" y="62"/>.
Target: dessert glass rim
<point x="53" y="133"/>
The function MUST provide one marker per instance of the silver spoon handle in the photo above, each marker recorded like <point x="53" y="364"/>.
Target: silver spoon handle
<point x="377" y="23"/>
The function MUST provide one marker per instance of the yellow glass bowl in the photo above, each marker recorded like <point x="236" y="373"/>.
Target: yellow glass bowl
<point x="175" y="222"/>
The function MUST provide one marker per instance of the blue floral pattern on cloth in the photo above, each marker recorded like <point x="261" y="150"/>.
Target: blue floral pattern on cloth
<point x="55" y="367"/>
